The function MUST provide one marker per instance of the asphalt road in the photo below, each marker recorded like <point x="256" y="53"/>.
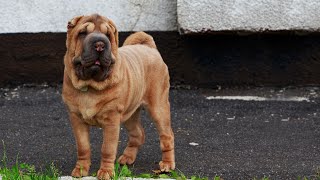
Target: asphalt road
<point x="275" y="136"/>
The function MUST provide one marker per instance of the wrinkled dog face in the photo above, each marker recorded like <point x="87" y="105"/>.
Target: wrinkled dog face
<point x="92" y="42"/>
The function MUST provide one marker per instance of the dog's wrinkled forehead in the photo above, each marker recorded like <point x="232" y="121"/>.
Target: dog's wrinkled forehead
<point x="80" y="27"/>
<point x="90" y="24"/>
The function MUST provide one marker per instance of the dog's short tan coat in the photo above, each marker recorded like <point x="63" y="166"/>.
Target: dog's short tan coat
<point x="138" y="78"/>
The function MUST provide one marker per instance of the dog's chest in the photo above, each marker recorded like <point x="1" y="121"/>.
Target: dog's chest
<point x="88" y="108"/>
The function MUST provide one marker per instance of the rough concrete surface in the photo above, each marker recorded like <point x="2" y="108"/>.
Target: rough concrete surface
<point x="53" y="15"/>
<point x="234" y="139"/>
<point x="196" y="16"/>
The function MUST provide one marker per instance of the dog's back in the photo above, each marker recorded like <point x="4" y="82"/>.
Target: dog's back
<point x="140" y="38"/>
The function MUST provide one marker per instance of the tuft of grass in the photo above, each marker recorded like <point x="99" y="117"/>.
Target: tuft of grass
<point x="23" y="171"/>
<point x="177" y="174"/>
<point x="122" y="172"/>
<point x="318" y="173"/>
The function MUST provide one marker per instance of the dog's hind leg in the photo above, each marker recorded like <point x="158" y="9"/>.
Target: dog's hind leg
<point x="159" y="108"/>
<point x="136" y="138"/>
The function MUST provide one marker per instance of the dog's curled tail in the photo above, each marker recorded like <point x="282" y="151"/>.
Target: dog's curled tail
<point x="140" y="38"/>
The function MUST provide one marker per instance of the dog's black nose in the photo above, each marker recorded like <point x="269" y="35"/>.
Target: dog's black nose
<point x="99" y="46"/>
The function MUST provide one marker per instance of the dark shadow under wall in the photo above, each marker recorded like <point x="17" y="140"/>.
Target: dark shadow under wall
<point x="197" y="60"/>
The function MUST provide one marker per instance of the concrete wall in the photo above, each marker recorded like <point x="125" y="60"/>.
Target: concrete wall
<point x="196" y="16"/>
<point x="53" y="15"/>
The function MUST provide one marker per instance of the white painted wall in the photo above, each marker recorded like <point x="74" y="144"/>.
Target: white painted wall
<point x="250" y="15"/>
<point x="162" y="15"/>
<point x="53" y="15"/>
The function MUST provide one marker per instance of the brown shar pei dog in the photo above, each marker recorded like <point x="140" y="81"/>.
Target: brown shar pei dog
<point x="105" y="86"/>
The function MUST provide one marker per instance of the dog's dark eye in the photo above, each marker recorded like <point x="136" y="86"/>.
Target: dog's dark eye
<point x="82" y="33"/>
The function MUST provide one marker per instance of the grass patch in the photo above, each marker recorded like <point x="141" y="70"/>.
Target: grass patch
<point x="121" y="172"/>
<point x="23" y="171"/>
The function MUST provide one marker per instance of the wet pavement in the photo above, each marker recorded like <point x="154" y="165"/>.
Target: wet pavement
<point x="238" y="133"/>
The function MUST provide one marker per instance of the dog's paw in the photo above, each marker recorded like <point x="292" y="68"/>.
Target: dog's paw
<point x="81" y="169"/>
<point x="166" y="166"/>
<point x="79" y="172"/>
<point x="125" y="159"/>
<point x="105" y="174"/>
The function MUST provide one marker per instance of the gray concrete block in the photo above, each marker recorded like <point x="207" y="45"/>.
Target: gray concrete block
<point x="52" y="15"/>
<point x="195" y="16"/>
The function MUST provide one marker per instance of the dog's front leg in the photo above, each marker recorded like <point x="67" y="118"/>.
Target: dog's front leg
<point x="111" y="130"/>
<point x="81" y="133"/>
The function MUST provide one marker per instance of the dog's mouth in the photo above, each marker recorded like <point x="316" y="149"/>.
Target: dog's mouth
<point x="87" y="64"/>
<point x="97" y="62"/>
<point x="97" y="70"/>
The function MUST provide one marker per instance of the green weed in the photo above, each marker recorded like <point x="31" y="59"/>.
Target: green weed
<point x="23" y="171"/>
<point x="123" y="172"/>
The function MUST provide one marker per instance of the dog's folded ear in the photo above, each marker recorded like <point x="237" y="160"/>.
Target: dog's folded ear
<point x="115" y="32"/>
<point x="73" y="22"/>
<point x="114" y="38"/>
